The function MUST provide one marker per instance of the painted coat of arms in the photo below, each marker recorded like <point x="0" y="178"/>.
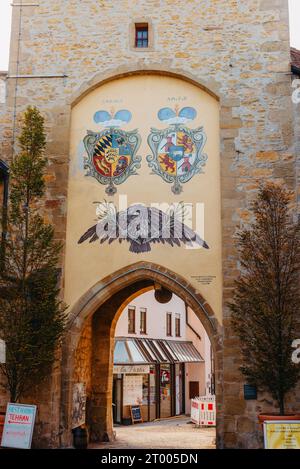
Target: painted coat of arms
<point x="177" y="152"/>
<point x="111" y="154"/>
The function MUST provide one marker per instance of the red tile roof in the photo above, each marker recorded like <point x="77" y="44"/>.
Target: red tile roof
<point x="295" y="58"/>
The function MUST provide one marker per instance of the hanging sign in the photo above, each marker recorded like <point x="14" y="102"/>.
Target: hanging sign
<point x="279" y="434"/>
<point x="250" y="392"/>
<point x="18" y="426"/>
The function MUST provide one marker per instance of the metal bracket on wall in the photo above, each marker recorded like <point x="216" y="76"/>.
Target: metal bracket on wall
<point x="37" y="76"/>
<point x="25" y="4"/>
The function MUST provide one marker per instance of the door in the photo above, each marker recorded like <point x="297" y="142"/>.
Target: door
<point x="178" y="389"/>
<point x="117" y="399"/>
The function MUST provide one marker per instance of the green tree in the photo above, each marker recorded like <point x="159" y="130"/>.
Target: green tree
<point x="267" y="294"/>
<point x="32" y="318"/>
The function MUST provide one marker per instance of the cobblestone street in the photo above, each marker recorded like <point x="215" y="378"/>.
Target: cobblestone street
<point x="176" y="433"/>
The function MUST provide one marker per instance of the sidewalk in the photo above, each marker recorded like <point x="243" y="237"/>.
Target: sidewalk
<point x="174" y="433"/>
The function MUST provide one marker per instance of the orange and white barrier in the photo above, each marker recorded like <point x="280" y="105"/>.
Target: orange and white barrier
<point x="195" y="411"/>
<point x="203" y="411"/>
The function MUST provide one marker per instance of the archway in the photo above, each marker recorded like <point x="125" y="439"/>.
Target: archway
<point x="101" y="305"/>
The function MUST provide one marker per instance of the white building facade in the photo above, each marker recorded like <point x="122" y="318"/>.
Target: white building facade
<point x="162" y="359"/>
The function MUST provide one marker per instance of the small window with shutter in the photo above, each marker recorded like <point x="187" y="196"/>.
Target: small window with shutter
<point x="177" y="325"/>
<point x="143" y="320"/>
<point x="131" y="320"/>
<point x="169" y="324"/>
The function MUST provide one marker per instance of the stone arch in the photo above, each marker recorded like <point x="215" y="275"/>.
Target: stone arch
<point x="101" y="304"/>
<point x="142" y="68"/>
<point x="127" y="301"/>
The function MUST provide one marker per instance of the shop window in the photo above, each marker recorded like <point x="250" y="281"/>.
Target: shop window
<point x="141" y="35"/>
<point x="177" y="325"/>
<point x="146" y="389"/>
<point x="169" y="324"/>
<point x="143" y="320"/>
<point x="165" y="391"/>
<point x="152" y="393"/>
<point x="131" y="320"/>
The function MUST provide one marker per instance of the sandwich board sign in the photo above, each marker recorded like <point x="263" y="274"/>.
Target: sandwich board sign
<point x="136" y="414"/>
<point x="18" y="426"/>
<point x="282" y="434"/>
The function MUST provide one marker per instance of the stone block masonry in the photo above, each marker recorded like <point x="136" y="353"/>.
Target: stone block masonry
<point x="239" y="50"/>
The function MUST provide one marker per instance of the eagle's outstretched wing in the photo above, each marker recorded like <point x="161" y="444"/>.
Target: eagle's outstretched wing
<point x="90" y="233"/>
<point x="106" y="226"/>
<point x="171" y="230"/>
<point x="141" y="226"/>
<point x="112" y="225"/>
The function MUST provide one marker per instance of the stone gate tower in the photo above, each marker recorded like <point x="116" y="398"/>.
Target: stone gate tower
<point x="157" y="103"/>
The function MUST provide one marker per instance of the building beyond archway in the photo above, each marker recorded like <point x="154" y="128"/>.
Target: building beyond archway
<point x="236" y="77"/>
<point x="91" y="329"/>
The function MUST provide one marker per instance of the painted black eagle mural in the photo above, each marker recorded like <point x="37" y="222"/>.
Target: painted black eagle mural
<point x="141" y="227"/>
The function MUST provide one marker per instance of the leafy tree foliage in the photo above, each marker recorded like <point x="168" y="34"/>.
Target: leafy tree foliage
<point x="267" y="295"/>
<point x="32" y="318"/>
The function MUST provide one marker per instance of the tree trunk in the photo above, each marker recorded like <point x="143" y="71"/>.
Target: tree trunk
<point x="13" y="395"/>
<point x="281" y="405"/>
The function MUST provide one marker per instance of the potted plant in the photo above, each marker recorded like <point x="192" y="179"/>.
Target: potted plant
<point x="267" y="296"/>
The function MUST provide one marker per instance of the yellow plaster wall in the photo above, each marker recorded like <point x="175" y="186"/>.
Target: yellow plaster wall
<point x="143" y="95"/>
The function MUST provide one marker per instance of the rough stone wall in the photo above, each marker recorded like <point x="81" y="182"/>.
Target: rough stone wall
<point x="239" y="49"/>
<point x="296" y="78"/>
<point x="83" y="358"/>
<point x="3" y="392"/>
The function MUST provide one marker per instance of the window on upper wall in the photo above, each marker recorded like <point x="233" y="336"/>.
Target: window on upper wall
<point x="143" y="320"/>
<point x="141" y="35"/>
<point x="169" y="324"/>
<point x="131" y="320"/>
<point x="177" y="325"/>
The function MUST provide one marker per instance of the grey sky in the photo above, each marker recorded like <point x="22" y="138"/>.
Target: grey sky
<point x="5" y="19"/>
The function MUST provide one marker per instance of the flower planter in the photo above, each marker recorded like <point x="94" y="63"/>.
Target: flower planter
<point x="267" y="417"/>
<point x="80" y="438"/>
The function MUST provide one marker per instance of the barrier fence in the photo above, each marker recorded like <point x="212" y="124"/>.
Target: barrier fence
<point x="203" y="411"/>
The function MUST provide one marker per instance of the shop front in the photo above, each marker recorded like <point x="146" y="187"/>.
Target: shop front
<point x="151" y="374"/>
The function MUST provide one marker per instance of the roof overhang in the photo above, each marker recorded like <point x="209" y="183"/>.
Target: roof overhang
<point x="142" y="351"/>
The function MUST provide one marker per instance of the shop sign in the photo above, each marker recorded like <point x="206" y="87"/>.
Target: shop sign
<point x="142" y="369"/>
<point x="18" y="426"/>
<point x="282" y="434"/>
<point x="250" y="392"/>
<point x="136" y="414"/>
